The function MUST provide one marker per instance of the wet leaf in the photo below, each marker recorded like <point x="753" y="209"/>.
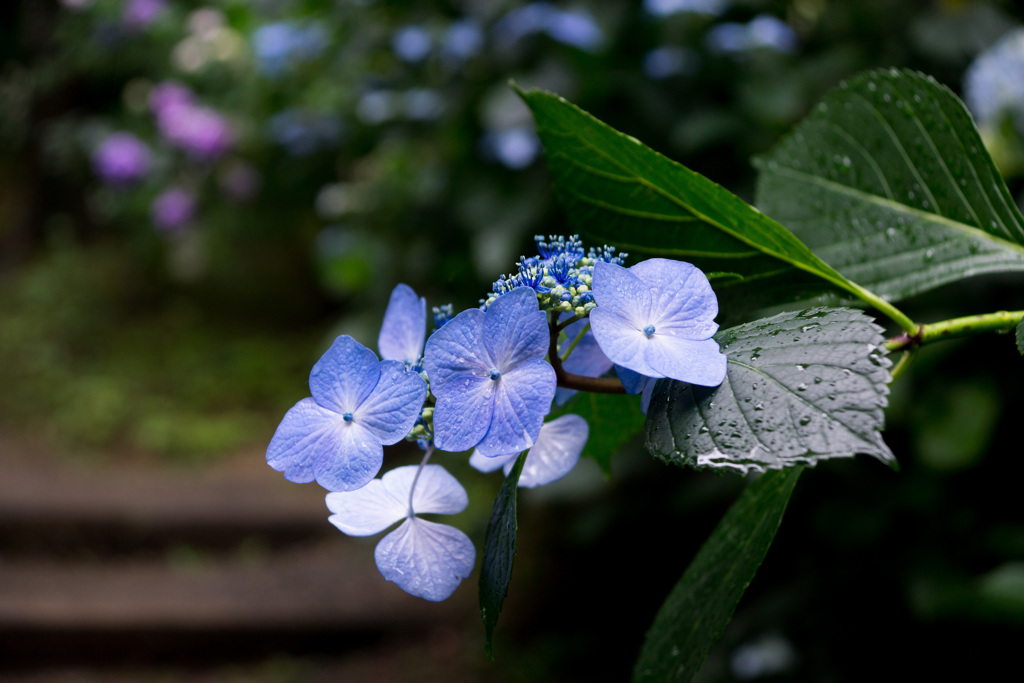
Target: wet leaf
<point x="889" y="182"/>
<point x="700" y="606"/>
<point x="618" y="191"/>
<point x="800" y="387"/>
<point x="1020" y="337"/>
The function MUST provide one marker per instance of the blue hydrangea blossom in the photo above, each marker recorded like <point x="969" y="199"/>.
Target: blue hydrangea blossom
<point x="488" y="373"/>
<point x="404" y="328"/>
<point x="425" y="559"/>
<point x="555" y="453"/>
<point x="358" y="405"/>
<point x="657" y="319"/>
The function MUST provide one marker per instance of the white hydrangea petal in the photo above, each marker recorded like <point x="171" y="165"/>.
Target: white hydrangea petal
<point x="437" y="491"/>
<point x="367" y="511"/>
<point x="425" y="559"/>
<point x="488" y="463"/>
<point x="556" y="452"/>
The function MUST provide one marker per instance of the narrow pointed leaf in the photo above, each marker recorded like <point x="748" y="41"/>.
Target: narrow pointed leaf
<point x="618" y="191"/>
<point x="800" y="387"/>
<point x="702" y="603"/>
<point x="889" y="182"/>
<point x="1020" y="337"/>
<point x="499" y="552"/>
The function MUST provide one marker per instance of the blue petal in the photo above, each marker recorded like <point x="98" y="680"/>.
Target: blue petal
<point x="344" y="376"/>
<point x="368" y="511"/>
<point x="354" y="464"/>
<point x="391" y="409"/>
<point x="587" y="359"/>
<point x="425" y="559"/>
<point x="556" y="452"/>
<point x="621" y="341"/>
<point x="620" y="291"/>
<point x="456" y="350"/>
<point x="687" y="360"/>
<point x="515" y="329"/>
<point x="405" y="326"/>
<point x="634" y="382"/>
<point x="522" y="400"/>
<point x="462" y="415"/>
<point x="313" y="442"/>
<point x="645" y="397"/>
<point x="681" y="297"/>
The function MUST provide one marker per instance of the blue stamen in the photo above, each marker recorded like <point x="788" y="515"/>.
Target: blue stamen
<point x="649" y="331"/>
<point x="347" y="417"/>
<point x="494" y="374"/>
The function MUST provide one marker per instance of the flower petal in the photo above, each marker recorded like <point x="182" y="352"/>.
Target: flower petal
<point x="365" y="512"/>
<point x="633" y="382"/>
<point x="515" y="329"/>
<point x="306" y="431"/>
<point x="354" y="463"/>
<point x="621" y="341"/>
<point x="523" y="399"/>
<point x="425" y="559"/>
<point x="457" y="350"/>
<point x="490" y="463"/>
<point x="392" y="407"/>
<point x="587" y="359"/>
<point x="556" y="452"/>
<point x="681" y="297"/>
<point x="344" y="376"/>
<point x="437" y="491"/>
<point x="405" y="326"/>
<point x="620" y="291"/>
<point x="687" y="360"/>
<point x="463" y="414"/>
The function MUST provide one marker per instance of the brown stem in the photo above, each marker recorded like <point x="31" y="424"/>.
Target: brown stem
<point x="568" y="380"/>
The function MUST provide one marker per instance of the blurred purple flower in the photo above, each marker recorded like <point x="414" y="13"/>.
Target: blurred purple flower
<point x="280" y="45"/>
<point x="121" y="159"/>
<point x="169" y="94"/>
<point x="173" y="208"/>
<point x="201" y="132"/>
<point x="138" y="14"/>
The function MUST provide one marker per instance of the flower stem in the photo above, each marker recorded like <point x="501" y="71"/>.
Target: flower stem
<point x="574" y="343"/>
<point x="568" y="380"/>
<point x="415" y="480"/>
<point x="956" y="327"/>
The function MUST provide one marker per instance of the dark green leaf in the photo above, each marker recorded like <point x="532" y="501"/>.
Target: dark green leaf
<point x="1020" y="337"/>
<point x="889" y="182"/>
<point x="701" y="604"/>
<point x="613" y="419"/>
<point x="618" y="191"/>
<point x="499" y="552"/>
<point x="800" y="387"/>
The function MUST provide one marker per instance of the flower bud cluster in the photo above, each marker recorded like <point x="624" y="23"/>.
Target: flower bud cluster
<point x="561" y="274"/>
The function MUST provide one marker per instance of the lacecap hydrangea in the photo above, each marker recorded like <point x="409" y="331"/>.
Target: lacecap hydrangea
<point x="485" y="380"/>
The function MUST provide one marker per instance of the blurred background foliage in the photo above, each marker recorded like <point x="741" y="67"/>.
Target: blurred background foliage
<point x="196" y="196"/>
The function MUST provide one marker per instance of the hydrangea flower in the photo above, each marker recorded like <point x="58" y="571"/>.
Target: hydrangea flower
<point x="587" y="359"/>
<point x="425" y="559"/>
<point x="173" y="208"/>
<point x="488" y="373"/>
<point x="121" y="159"/>
<point x="556" y="452"/>
<point x="657" y="319"/>
<point x="404" y="328"/>
<point x="359" y="405"/>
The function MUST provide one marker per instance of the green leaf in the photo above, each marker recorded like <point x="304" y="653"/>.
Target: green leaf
<point x="889" y="182"/>
<point x="800" y="387"/>
<point x="499" y="552"/>
<point x="618" y="191"/>
<point x="613" y="420"/>
<point x="702" y="603"/>
<point x="1020" y="336"/>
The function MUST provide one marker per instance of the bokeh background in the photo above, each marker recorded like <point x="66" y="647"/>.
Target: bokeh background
<point x="196" y="197"/>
